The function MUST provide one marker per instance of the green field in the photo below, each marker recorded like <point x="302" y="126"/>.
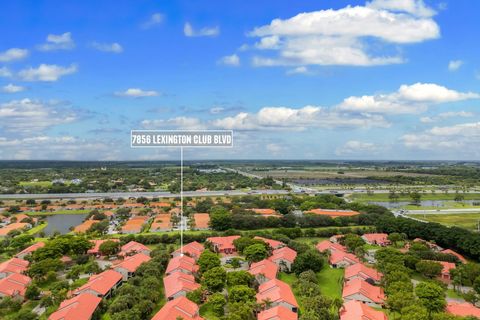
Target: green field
<point x="363" y="197"/>
<point x="51" y="213"/>
<point x="464" y="220"/>
<point x="331" y="281"/>
<point x="43" y="184"/>
<point x="37" y="229"/>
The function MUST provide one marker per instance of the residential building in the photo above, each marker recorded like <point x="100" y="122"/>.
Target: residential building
<point x="334" y="213"/>
<point x="13" y="226"/>
<point x="192" y="249"/>
<point x="85" y="226"/>
<point x="96" y="246"/>
<point x="264" y="270"/>
<point x="330" y="246"/>
<point x="342" y="259"/>
<point x="453" y="253"/>
<point x="81" y="307"/>
<point x="380" y="239"/>
<point x="283" y="258"/>
<point x="462" y="309"/>
<point x="14" y="285"/>
<point x="445" y="275"/>
<point x="361" y="290"/>
<point x="356" y="310"/>
<point x="101" y="285"/>
<point x="130" y="264"/>
<point x="29" y="250"/>
<point x="277" y="293"/>
<point x="13" y="265"/>
<point x="361" y="271"/>
<point x="179" y="308"/>
<point x="183" y="264"/>
<point x="277" y="313"/>
<point x="161" y="222"/>
<point x="202" y="221"/>
<point x="274" y="244"/>
<point x="179" y="284"/>
<point x="223" y="245"/>
<point x="134" y="247"/>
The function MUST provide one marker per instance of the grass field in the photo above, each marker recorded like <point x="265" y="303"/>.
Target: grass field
<point x="331" y="281"/>
<point x="425" y="196"/>
<point x="51" y="213"/>
<point x="37" y="229"/>
<point x="43" y="184"/>
<point x="464" y="220"/>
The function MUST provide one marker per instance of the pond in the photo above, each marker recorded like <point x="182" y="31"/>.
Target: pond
<point x="423" y="203"/>
<point x="62" y="222"/>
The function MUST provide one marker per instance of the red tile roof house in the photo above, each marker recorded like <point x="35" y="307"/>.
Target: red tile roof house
<point x="14" y="286"/>
<point x="274" y="244"/>
<point x="264" y="270"/>
<point x="265" y="212"/>
<point x="361" y="271"/>
<point x="277" y="293"/>
<point x="380" y="239"/>
<point x="453" y="253"/>
<point x="360" y="290"/>
<point x="283" y="258"/>
<point x="80" y="307"/>
<point x="334" y="213"/>
<point x="180" y="308"/>
<point x="277" y="313"/>
<point x="356" y="310"/>
<point x="192" y="249"/>
<point x="223" y="245"/>
<point x="445" y="275"/>
<point x="134" y="247"/>
<point x="183" y="264"/>
<point x="332" y="247"/>
<point x="28" y="251"/>
<point x="96" y="246"/>
<point x="129" y="265"/>
<point x="336" y="238"/>
<point x="202" y="221"/>
<point x="14" y="265"/>
<point x="179" y="284"/>
<point x="341" y="259"/>
<point x="101" y="285"/>
<point x="464" y="309"/>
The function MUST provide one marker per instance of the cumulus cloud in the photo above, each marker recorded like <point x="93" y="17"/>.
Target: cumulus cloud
<point x="454" y="65"/>
<point x="413" y="98"/>
<point x="136" y="93"/>
<point x="298" y="70"/>
<point x="107" y="47"/>
<point x="339" y="37"/>
<point x="189" y="31"/>
<point x="13" y="54"/>
<point x="177" y="123"/>
<point x="46" y="72"/>
<point x="354" y="147"/>
<point x="11" y="88"/>
<point x="447" y="115"/>
<point x="155" y="19"/>
<point x="26" y="115"/>
<point x="55" y="42"/>
<point x="232" y="60"/>
<point x="5" y="72"/>
<point x="460" y="138"/>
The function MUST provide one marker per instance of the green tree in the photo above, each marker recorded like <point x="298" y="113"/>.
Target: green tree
<point x="218" y="302"/>
<point x="207" y="261"/>
<point x="109" y="248"/>
<point x="353" y="241"/>
<point x="309" y="260"/>
<point x="431" y="296"/>
<point x="220" y="218"/>
<point x="414" y="312"/>
<point x="236" y="278"/>
<point x="429" y="269"/>
<point x="214" y="279"/>
<point x="32" y="292"/>
<point x="241" y="293"/>
<point x="255" y="252"/>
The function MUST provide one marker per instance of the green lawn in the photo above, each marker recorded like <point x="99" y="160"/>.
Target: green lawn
<point x="207" y="313"/>
<point x="464" y="220"/>
<point x="43" y="184"/>
<point x="425" y="196"/>
<point x="310" y="240"/>
<point x="37" y="229"/>
<point x="50" y="213"/>
<point x="331" y="281"/>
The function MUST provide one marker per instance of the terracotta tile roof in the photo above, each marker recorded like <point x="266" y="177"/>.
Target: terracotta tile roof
<point x="453" y="253"/>
<point x="223" y="242"/>
<point x="97" y="244"/>
<point x="133" y="247"/>
<point x="14" y="265"/>
<point x="193" y="249"/>
<point x="14" y="284"/>
<point x="338" y="256"/>
<point x="202" y="220"/>
<point x="276" y="291"/>
<point x="362" y="271"/>
<point x="284" y="253"/>
<point x="161" y="221"/>
<point x="133" y="205"/>
<point x="132" y="263"/>
<point x="277" y="313"/>
<point x="362" y="287"/>
<point x="464" y="309"/>
<point x="101" y="283"/>
<point x="334" y="213"/>
<point x="447" y="266"/>
<point x="160" y="204"/>
<point x="85" y="226"/>
<point x="356" y="310"/>
<point x="80" y="307"/>
<point x="265" y="212"/>
<point x="272" y="243"/>
<point x="179" y="281"/>
<point x="327" y="245"/>
<point x="376" y="238"/>
<point x="184" y="262"/>
<point x="32" y="248"/>
<point x="265" y="267"/>
<point x="21" y="216"/>
<point x="180" y="307"/>
<point x="135" y="223"/>
<point x="13" y="226"/>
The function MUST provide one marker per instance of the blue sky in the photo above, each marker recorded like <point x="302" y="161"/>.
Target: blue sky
<point x="381" y="79"/>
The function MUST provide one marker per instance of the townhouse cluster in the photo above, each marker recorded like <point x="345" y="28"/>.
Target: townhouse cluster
<point x="85" y="300"/>
<point x="13" y="280"/>
<point x="19" y="221"/>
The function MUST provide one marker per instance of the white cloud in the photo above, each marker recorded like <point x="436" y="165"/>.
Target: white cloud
<point x="275" y="148"/>
<point x="338" y="37"/>
<point x="11" y="88"/>
<point x="232" y="60"/>
<point x="5" y="73"/>
<point x="58" y="42"/>
<point x="108" y="47"/>
<point x="415" y="7"/>
<point x="354" y="147"/>
<point x="454" y="65"/>
<point x="189" y="31"/>
<point x="28" y="115"/>
<point x="447" y="115"/>
<point x="459" y="138"/>
<point x="413" y="98"/>
<point x="155" y="19"/>
<point x="298" y="70"/>
<point x="136" y="93"/>
<point x="46" y="72"/>
<point x="13" y="54"/>
<point x="178" y="122"/>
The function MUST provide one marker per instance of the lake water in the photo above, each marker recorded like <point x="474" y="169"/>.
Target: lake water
<point x="62" y="222"/>
<point x="423" y="203"/>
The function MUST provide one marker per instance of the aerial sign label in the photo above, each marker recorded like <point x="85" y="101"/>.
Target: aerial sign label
<point x="181" y="138"/>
